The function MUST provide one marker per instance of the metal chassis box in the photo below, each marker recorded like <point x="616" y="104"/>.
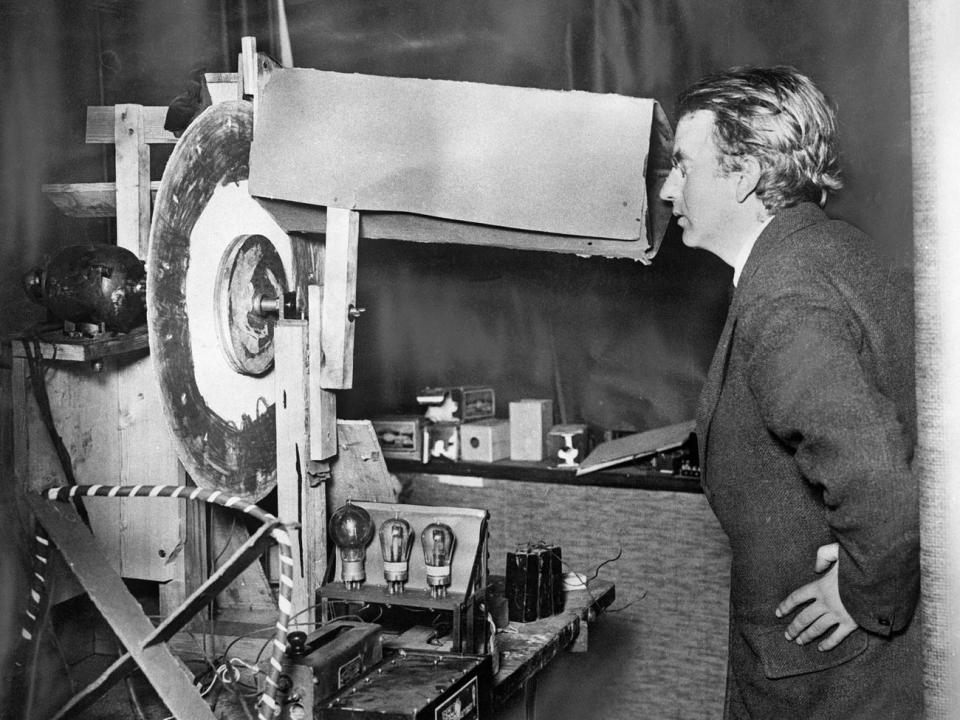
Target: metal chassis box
<point x="416" y="685"/>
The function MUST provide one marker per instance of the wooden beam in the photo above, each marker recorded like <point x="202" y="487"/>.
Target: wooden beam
<point x="121" y="611"/>
<point x="323" y="403"/>
<point x="88" y="199"/>
<point x="339" y="298"/>
<point x="133" y="179"/>
<point x="297" y="501"/>
<point x="101" y="123"/>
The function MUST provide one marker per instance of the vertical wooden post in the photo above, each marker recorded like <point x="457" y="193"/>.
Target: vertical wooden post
<point x="339" y="298"/>
<point x="133" y="179"/>
<point x="297" y="500"/>
<point x="323" y="403"/>
<point x="935" y="107"/>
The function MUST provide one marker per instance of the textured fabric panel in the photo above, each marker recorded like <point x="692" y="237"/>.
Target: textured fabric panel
<point x="661" y="651"/>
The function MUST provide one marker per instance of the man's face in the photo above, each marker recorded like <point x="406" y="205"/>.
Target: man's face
<point x="704" y="197"/>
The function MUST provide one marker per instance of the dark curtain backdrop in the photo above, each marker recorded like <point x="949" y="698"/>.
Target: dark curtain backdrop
<point x="616" y="344"/>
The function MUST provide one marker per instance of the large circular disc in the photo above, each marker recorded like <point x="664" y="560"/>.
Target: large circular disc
<point x="223" y="421"/>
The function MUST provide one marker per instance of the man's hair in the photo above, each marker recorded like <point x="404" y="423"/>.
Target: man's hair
<point x="779" y="117"/>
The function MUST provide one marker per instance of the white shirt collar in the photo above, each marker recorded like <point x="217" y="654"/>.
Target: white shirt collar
<point x="745" y="251"/>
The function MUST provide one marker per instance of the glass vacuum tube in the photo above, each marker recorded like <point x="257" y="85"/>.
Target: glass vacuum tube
<point x="396" y="542"/>
<point x="438" y="544"/>
<point x="351" y="529"/>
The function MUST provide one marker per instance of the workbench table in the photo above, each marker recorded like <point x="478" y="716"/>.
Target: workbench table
<point x="526" y="648"/>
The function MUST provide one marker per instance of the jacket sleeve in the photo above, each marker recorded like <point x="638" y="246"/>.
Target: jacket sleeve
<point x="814" y="374"/>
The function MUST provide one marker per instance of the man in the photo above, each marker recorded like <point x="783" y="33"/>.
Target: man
<point x="806" y="422"/>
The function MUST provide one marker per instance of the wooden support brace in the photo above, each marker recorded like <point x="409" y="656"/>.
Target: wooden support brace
<point x="133" y="179"/>
<point x="122" y="612"/>
<point x="322" y="416"/>
<point x="248" y="67"/>
<point x="339" y="298"/>
<point x="297" y="499"/>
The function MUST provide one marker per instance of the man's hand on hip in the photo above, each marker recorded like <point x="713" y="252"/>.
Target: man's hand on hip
<point x="823" y="610"/>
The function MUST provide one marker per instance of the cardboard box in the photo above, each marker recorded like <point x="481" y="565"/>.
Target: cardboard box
<point x="485" y="440"/>
<point x="530" y="420"/>
<point x="567" y="445"/>
<point x="400" y="436"/>
<point x="463" y="403"/>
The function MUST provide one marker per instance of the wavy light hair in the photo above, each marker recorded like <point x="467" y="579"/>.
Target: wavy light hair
<point x="778" y="116"/>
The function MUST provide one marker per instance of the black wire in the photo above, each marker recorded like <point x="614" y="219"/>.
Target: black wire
<point x="39" y="385"/>
<point x="226" y="544"/>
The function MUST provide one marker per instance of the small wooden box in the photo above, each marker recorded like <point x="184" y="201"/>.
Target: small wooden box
<point x="400" y="436"/>
<point x="529" y="422"/>
<point x="485" y="440"/>
<point x="441" y="440"/>
<point x="473" y="402"/>
<point x="567" y="445"/>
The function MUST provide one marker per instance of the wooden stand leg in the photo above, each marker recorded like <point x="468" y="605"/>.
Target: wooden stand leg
<point x="300" y="495"/>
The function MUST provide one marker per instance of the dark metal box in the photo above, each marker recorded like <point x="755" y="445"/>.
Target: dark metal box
<point x="534" y="583"/>
<point x="416" y="685"/>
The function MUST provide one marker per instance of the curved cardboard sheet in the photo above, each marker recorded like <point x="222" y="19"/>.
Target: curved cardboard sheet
<point x="543" y="161"/>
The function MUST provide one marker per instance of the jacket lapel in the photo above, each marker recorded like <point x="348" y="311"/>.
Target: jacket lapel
<point x="710" y="395"/>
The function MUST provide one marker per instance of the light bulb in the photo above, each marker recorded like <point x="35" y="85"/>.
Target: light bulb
<point x="396" y="542"/>
<point x="351" y="529"/>
<point x="438" y="544"/>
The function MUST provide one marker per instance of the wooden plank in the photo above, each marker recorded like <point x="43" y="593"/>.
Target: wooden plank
<point x="531" y="646"/>
<point x="88" y="199"/>
<point x="250" y="598"/>
<point x="132" y="178"/>
<point x="83" y="403"/>
<point x="218" y="580"/>
<point x="322" y="415"/>
<point x="248" y="68"/>
<point x="62" y="584"/>
<point x="108" y="423"/>
<point x="359" y="471"/>
<point x="291" y="375"/>
<point x="151" y="543"/>
<point x="175" y="621"/>
<point x="54" y="346"/>
<point x="101" y="123"/>
<point x="339" y="298"/>
<point x="190" y="571"/>
<point x="121" y="611"/>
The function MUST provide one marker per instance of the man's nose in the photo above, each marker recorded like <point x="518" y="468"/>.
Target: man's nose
<point x="669" y="190"/>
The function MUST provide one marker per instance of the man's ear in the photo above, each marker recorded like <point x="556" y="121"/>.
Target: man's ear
<point x="749" y="177"/>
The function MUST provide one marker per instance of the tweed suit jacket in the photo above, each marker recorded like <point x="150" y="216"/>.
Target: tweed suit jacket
<point x="806" y="427"/>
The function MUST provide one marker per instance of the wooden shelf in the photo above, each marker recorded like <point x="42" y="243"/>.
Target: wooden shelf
<point x="636" y="476"/>
<point x="89" y="199"/>
<point x="54" y="345"/>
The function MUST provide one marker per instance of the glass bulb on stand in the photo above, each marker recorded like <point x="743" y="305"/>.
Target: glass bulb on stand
<point x="396" y="542"/>
<point x="351" y="529"/>
<point x="438" y="544"/>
